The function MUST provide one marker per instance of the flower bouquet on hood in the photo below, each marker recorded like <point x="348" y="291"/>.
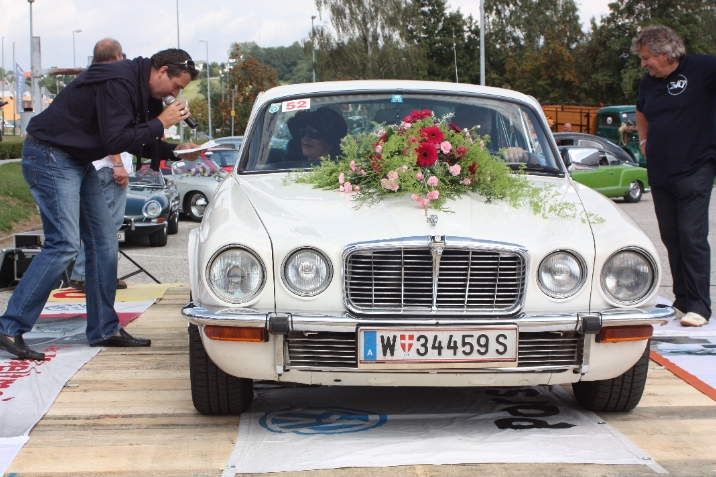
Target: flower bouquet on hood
<point x="429" y="160"/>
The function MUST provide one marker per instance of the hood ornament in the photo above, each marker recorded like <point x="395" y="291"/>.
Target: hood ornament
<point x="433" y="219"/>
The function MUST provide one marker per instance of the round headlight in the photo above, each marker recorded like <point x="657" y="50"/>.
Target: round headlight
<point x="628" y="276"/>
<point x="152" y="209"/>
<point x="306" y="272"/>
<point x="235" y="274"/>
<point x="561" y="274"/>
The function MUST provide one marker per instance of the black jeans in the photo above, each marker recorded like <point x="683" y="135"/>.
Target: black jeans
<point x="682" y="210"/>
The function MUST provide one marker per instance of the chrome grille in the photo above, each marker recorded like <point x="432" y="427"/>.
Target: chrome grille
<point x="338" y="350"/>
<point x="401" y="279"/>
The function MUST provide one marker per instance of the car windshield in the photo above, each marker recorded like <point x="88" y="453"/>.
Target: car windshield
<point x="223" y="158"/>
<point x="198" y="167"/>
<point x="146" y="177"/>
<point x="294" y="134"/>
<point x="629" y="118"/>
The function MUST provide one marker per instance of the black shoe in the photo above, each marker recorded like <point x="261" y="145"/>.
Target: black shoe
<point x="19" y="348"/>
<point x="121" y="284"/>
<point x="124" y="340"/>
<point x="80" y="286"/>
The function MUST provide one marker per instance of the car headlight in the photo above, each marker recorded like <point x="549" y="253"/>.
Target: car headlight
<point x="628" y="276"/>
<point x="561" y="274"/>
<point x="306" y="272"/>
<point x="236" y="274"/>
<point x="152" y="209"/>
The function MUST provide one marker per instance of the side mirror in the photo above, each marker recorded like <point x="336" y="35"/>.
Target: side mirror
<point x="584" y="157"/>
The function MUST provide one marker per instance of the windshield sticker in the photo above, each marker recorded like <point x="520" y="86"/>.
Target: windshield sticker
<point x="396" y="98"/>
<point x="179" y="164"/>
<point x="295" y="105"/>
<point x="274" y="108"/>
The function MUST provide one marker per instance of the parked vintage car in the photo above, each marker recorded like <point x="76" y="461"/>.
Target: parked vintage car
<point x="618" y="124"/>
<point x="165" y="165"/>
<point x="230" y="141"/>
<point x="296" y="284"/>
<point x="222" y="156"/>
<point x="152" y="207"/>
<point x="196" y="182"/>
<point x="612" y="172"/>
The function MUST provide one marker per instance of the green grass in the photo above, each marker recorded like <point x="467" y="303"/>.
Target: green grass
<point x="7" y="138"/>
<point x="15" y="195"/>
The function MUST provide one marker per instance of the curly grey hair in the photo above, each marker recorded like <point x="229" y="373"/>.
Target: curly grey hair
<point x="660" y="39"/>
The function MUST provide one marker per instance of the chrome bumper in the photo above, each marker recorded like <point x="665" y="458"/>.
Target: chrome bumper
<point x="305" y="321"/>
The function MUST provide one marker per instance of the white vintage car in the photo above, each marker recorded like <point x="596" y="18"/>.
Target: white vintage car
<point x="295" y="284"/>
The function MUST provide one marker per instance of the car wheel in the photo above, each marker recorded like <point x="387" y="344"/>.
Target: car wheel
<point x="196" y="206"/>
<point x="158" y="238"/>
<point x="635" y="192"/>
<point x="619" y="394"/>
<point x="212" y="390"/>
<point x="173" y="227"/>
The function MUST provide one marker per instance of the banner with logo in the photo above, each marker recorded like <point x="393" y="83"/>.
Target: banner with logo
<point x="295" y="429"/>
<point x="19" y="89"/>
<point x="9" y="448"/>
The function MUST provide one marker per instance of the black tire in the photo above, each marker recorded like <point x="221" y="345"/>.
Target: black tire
<point x="619" y="394"/>
<point x="158" y="238"/>
<point x="214" y="392"/>
<point x="196" y="204"/>
<point x="636" y="190"/>
<point x="173" y="227"/>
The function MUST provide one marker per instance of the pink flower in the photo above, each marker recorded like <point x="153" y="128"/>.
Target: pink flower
<point x="342" y="189"/>
<point x="419" y="176"/>
<point x="384" y="183"/>
<point x="353" y="166"/>
<point x="455" y="170"/>
<point x="415" y="197"/>
<point x="424" y="202"/>
<point x="348" y="187"/>
<point x="433" y="195"/>
<point x="445" y="147"/>
<point x="392" y="176"/>
<point x="378" y="148"/>
<point x="466" y="181"/>
<point x="381" y="133"/>
<point x="356" y="188"/>
<point x="432" y="181"/>
<point x="394" y="186"/>
<point x="341" y="178"/>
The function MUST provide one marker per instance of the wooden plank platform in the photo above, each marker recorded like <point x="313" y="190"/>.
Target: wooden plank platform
<point x="129" y="413"/>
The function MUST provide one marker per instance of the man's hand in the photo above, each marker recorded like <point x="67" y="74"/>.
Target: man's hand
<point x="120" y="176"/>
<point x="172" y="114"/>
<point x="190" y="156"/>
<point x="514" y="154"/>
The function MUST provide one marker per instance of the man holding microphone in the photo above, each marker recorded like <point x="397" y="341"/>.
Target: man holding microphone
<point x="108" y="109"/>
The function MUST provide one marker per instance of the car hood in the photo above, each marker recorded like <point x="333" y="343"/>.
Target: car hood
<point x="300" y="214"/>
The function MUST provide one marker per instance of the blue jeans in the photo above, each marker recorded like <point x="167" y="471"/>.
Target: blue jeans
<point x="72" y="206"/>
<point x="116" y="197"/>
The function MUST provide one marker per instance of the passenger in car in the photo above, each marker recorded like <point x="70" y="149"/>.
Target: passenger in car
<point x="315" y="134"/>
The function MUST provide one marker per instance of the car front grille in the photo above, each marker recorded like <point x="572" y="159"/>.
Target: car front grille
<point x="469" y="280"/>
<point x="339" y="350"/>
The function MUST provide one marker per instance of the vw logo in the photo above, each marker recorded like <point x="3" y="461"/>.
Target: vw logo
<point x="678" y="86"/>
<point x="331" y="420"/>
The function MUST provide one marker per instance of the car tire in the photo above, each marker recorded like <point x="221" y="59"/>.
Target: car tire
<point x="173" y="227"/>
<point x="196" y="205"/>
<point x="619" y="394"/>
<point x="214" y="392"/>
<point x="636" y="190"/>
<point x="158" y="238"/>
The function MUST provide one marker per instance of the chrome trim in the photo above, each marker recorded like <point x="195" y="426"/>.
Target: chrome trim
<point x="654" y="281"/>
<point x="148" y="215"/>
<point x="450" y="243"/>
<point x="318" y="291"/>
<point x="219" y="293"/>
<point x="436" y="246"/>
<point x="582" y="281"/>
<point x="534" y="369"/>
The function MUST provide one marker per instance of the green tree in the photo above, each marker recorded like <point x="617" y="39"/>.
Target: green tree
<point x="292" y="64"/>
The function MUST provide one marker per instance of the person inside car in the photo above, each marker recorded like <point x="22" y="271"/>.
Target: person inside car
<point x="316" y="134"/>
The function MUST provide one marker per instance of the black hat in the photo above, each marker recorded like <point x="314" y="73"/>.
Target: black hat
<point x="323" y="119"/>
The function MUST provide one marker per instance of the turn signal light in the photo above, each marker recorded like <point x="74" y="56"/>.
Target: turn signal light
<point x="230" y="333"/>
<point x="625" y="333"/>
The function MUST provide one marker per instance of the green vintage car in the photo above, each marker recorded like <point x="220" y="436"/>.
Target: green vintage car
<point x="618" y="124"/>
<point x="605" y="172"/>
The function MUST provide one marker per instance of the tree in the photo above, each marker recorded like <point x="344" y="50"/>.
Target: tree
<point x="292" y="64"/>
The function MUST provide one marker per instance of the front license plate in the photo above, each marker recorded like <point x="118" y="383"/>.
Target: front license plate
<point x="405" y="348"/>
<point x="120" y="236"/>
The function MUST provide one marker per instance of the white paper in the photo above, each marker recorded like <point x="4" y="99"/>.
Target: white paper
<point x="204" y="146"/>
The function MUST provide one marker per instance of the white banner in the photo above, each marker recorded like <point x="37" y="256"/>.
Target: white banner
<point x="9" y="447"/>
<point x="333" y="427"/>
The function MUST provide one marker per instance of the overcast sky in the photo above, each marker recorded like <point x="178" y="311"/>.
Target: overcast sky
<point x="147" y="26"/>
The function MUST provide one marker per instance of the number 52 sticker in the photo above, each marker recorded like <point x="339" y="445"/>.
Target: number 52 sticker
<point x="295" y="105"/>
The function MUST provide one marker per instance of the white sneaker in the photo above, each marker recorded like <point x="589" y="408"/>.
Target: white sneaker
<point x="679" y="314"/>
<point x="693" y="319"/>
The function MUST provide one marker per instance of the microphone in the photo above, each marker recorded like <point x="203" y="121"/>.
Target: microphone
<point x="169" y="100"/>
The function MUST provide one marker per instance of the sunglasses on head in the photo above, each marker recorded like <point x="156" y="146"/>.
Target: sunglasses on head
<point x="188" y="64"/>
<point x="311" y="133"/>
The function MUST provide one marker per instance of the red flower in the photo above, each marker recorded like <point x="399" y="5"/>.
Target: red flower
<point x="461" y="151"/>
<point x="432" y="134"/>
<point x="375" y="162"/>
<point x="417" y="115"/>
<point x="427" y="154"/>
<point x="472" y="168"/>
<point x="455" y="127"/>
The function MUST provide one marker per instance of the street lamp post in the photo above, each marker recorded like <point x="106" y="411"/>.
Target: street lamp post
<point x="208" y="85"/>
<point x="313" y="50"/>
<point x="74" y="65"/>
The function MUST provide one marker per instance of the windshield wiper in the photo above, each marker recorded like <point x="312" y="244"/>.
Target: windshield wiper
<point x="539" y="168"/>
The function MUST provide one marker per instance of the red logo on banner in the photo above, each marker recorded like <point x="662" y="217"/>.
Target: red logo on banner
<point x="406" y="342"/>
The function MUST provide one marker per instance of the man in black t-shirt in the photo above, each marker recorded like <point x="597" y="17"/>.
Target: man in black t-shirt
<point x="676" y="124"/>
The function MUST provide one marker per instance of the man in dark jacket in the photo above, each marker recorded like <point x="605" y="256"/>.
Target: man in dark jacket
<point x="108" y="109"/>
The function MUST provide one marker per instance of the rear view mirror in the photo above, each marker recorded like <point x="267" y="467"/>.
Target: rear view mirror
<point x="586" y="157"/>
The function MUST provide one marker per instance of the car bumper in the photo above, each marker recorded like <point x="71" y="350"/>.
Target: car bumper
<point x="135" y="228"/>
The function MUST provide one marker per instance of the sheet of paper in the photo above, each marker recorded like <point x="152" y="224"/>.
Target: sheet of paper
<point x="204" y="146"/>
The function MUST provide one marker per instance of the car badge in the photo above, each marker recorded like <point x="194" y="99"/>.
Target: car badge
<point x="433" y="219"/>
<point x="274" y="108"/>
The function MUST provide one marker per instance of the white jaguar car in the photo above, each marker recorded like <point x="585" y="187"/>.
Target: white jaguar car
<point x="300" y="284"/>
